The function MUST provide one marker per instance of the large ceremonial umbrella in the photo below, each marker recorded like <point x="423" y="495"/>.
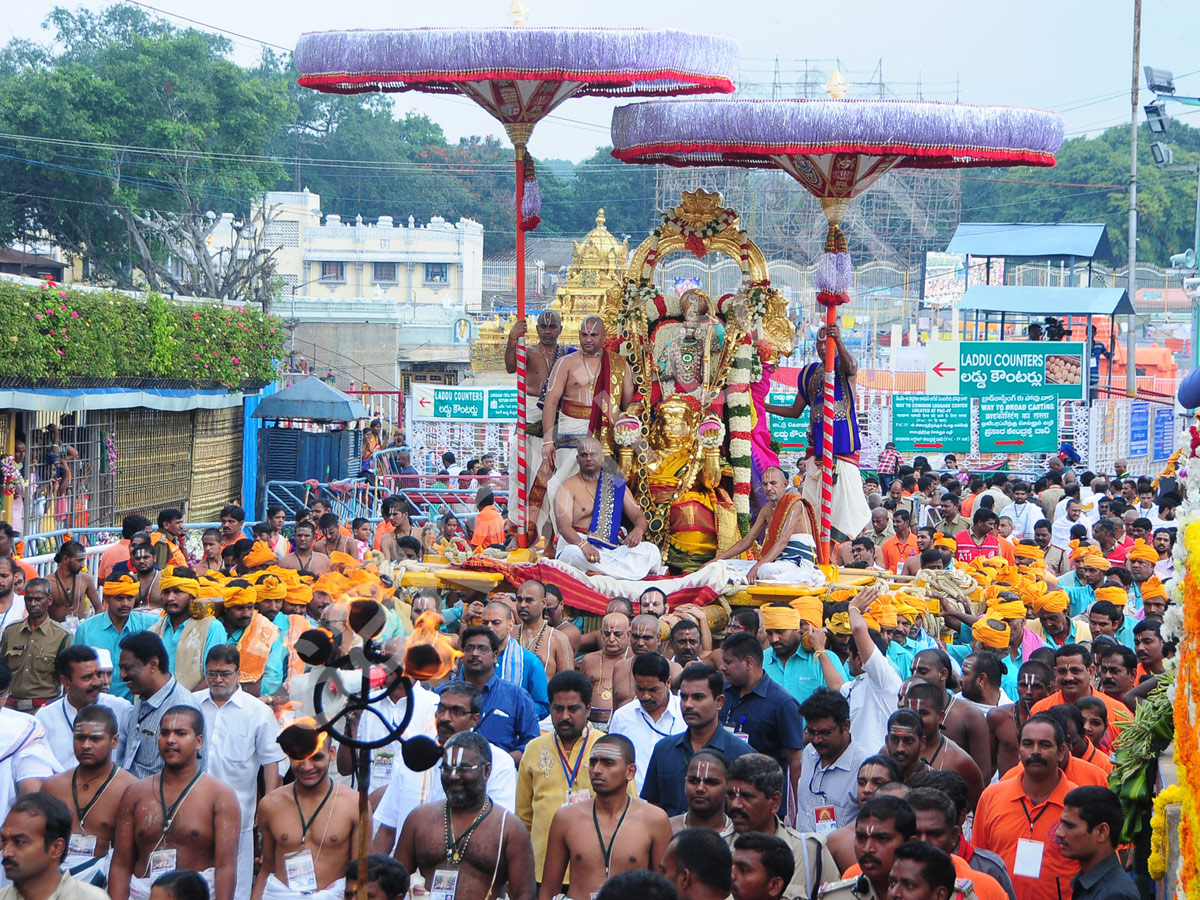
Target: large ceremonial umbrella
<point x="519" y="75"/>
<point x="836" y="149"/>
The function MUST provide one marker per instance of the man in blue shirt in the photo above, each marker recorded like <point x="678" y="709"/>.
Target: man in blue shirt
<point x="105" y="630"/>
<point x="756" y="709"/>
<point x="700" y="702"/>
<point x="787" y="662"/>
<point x="507" y="717"/>
<point x="514" y="663"/>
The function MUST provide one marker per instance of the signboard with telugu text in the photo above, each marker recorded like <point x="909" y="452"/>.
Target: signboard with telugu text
<point x="1018" y="424"/>
<point x="988" y="368"/>
<point x="921" y="422"/>
<point x="789" y="434"/>
<point x="436" y="402"/>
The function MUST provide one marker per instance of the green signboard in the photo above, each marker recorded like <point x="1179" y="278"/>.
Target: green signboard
<point x="922" y="422"/>
<point x="502" y="403"/>
<point x="1017" y="424"/>
<point x="459" y="403"/>
<point x="988" y="368"/>
<point x="789" y="434"/>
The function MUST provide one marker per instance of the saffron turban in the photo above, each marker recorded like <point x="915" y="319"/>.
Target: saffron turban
<point x="993" y="633"/>
<point x="1029" y="592"/>
<point x="210" y="588"/>
<point x="270" y="587"/>
<point x="1095" y="560"/>
<point x="780" y="618"/>
<point x="838" y="623"/>
<point x="331" y="583"/>
<point x="125" y="586"/>
<point x="171" y="582"/>
<point x="239" y="593"/>
<point x="1152" y="587"/>
<point x="259" y="555"/>
<point x="1143" y="551"/>
<point x="1113" y="594"/>
<point x="299" y="594"/>
<point x="1052" y="602"/>
<point x="904" y="607"/>
<point x="811" y="610"/>
<point x="1028" y="551"/>
<point x="1008" y="609"/>
<point x="948" y="542"/>
<point x="338" y="558"/>
<point x="887" y="616"/>
<point x="1078" y="552"/>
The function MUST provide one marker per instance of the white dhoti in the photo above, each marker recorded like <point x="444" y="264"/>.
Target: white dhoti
<point x="277" y="890"/>
<point x="139" y="888"/>
<point x="566" y="464"/>
<point x="849" y="512"/>
<point x="91" y="870"/>
<point x="782" y="571"/>
<point x="533" y="461"/>
<point x="625" y="563"/>
<point x="245" y="864"/>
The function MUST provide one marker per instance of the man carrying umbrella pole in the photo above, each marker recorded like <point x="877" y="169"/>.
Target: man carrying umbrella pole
<point x="850" y="513"/>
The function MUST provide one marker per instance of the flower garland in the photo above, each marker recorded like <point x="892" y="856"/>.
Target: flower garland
<point x="697" y="234"/>
<point x="1157" y="865"/>
<point x="11" y="482"/>
<point x="110" y="453"/>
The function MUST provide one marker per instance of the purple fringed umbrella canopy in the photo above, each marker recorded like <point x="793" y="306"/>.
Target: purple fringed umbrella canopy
<point x="836" y="149"/>
<point x="519" y="75"/>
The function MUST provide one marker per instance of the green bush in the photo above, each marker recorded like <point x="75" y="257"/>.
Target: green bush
<point x="51" y="333"/>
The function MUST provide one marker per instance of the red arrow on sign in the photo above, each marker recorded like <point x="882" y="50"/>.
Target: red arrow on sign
<point x="424" y="401"/>
<point x="1003" y="443"/>
<point x="941" y="369"/>
<point x="930" y="446"/>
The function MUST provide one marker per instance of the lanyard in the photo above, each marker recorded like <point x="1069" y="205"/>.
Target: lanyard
<point x="571" y="774"/>
<point x="82" y="812"/>
<point x="304" y="826"/>
<point x="650" y="722"/>
<point x="455" y="852"/>
<point x="170" y="812"/>
<point x="607" y="851"/>
<point x="1032" y="819"/>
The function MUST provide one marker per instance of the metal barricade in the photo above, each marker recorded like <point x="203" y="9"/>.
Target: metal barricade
<point x="45" y="545"/>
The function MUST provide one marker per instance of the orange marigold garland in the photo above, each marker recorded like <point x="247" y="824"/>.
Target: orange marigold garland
<point x="1187" y="737"/>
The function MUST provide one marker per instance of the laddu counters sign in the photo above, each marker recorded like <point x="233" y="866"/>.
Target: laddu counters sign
<point x="990" y="368"/>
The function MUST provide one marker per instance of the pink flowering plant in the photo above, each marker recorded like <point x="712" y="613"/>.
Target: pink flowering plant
<point x="50" y="333"/>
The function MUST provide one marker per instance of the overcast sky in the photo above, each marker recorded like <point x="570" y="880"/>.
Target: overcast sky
<point x="1065" y="55"/>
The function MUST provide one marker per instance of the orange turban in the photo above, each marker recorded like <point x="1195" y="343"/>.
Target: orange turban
<point x="1096" y="560"/>
<point x="780" y="618"/>
<point x="1077" y="552"/>
<point x="838" y="623"/>
<point x="1143" y="551"/>
<point x="345" y="560"/>
<point x="125" y="586"/>
<point x="811" y="610"/>
<point x="299" y="594"/>
<point x="1152" y="587"/>
<point x="1113" y="594"/>
<point x="210" y="588"/>
<point x="993" y="633"/>
<point x="1052" y="602"/>
<point x="331" y="583"/>
<point x="239" y="594"/>
<point x="270" y="587"/>
<point x="1028" y="551"/>
<point x="259" y="555"/>
<point x="1008" y="609"/>
<point x="948" y="542"/>
<point x="887" y="616"/>
<point x="171" y="582"/>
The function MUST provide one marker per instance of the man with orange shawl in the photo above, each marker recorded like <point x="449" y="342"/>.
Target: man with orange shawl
<point x="258" y="640"/>
<point x="787" y="525"/>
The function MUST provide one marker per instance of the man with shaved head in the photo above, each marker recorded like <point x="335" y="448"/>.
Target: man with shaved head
<point x="787" y="527"/>
<point x="600" y="666"/>
<point x="589" y="507"/>
<point x="537" y="635"/>
<point x="584" y="396"/>
<point x="643" y="638"/>
<point x="514" y="663"/>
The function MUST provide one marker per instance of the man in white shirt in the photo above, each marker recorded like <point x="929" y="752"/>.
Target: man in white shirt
<point x="1000" y="500"/>
<point x="653" y="716"/>
<point x="875" y="689"/>
<point x="1024" y="515"/>
<point x="458" y="709"/>
<point x="370" y="726"/>
<point x="240" y="734"/>
<point x="78" y="668"/>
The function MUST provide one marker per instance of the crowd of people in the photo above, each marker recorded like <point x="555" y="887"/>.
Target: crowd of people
<point x="942" y="726"/>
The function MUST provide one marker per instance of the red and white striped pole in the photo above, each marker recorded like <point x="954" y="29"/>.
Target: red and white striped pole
<point x="522" y="473"/>
<point x="827" y="411"/>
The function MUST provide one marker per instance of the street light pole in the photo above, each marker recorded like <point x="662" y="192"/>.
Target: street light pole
<point x="1131" y="281"/>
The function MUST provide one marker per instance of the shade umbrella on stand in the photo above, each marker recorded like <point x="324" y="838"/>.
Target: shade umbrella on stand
<point x="519" y="75"/>
<point x="836" y="149"/>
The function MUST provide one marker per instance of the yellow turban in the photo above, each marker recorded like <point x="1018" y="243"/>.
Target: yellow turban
<point x="331" y="583"/>
<point x="338" y="558"/>
<point x="780" y="618"/>
<point x="1028" y="551"/>
<point x="1078" y="552"/>
<point x="838" y="623"/>
<point x="811" y="610"/>
<point x="993" y="633"/>
<point x="125" y="586"/>
<point x="209" y="588"/>
<point x="1008" y="609"/>
<point x="1052" y="602"/>
<point x="841" y="596"/>
<point x="171" y="582"/>
<point x="1096" y="560"/>
<point x="299" y="594"/>
<point x="1152" y="587"/>
<point x="948" y="542"/>
<point x="1143" y="551"/>
<point x="904" y="608"/>
<point x="270" y="587"/>
<point x="1031" y="591"/>
<point x="1113" y="594"/>
<point x="287" y="576"/>
<point x="242" y="594"/>
<point x="887" y="616"/>
<point x="259" y="555"/>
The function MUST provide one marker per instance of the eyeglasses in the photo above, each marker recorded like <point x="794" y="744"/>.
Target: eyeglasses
<point x="460" y="770"/>
<point x="221" y="674"/>
<point x="821" y="733"/>
<point x="453" y="710"/>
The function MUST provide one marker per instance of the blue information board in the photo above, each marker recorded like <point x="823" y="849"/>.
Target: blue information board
<point x="1164" y="433"/>
<point x="1139" y="428"/>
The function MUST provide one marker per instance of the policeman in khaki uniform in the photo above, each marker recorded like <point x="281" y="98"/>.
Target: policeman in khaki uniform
<point x="31" y="647"/>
